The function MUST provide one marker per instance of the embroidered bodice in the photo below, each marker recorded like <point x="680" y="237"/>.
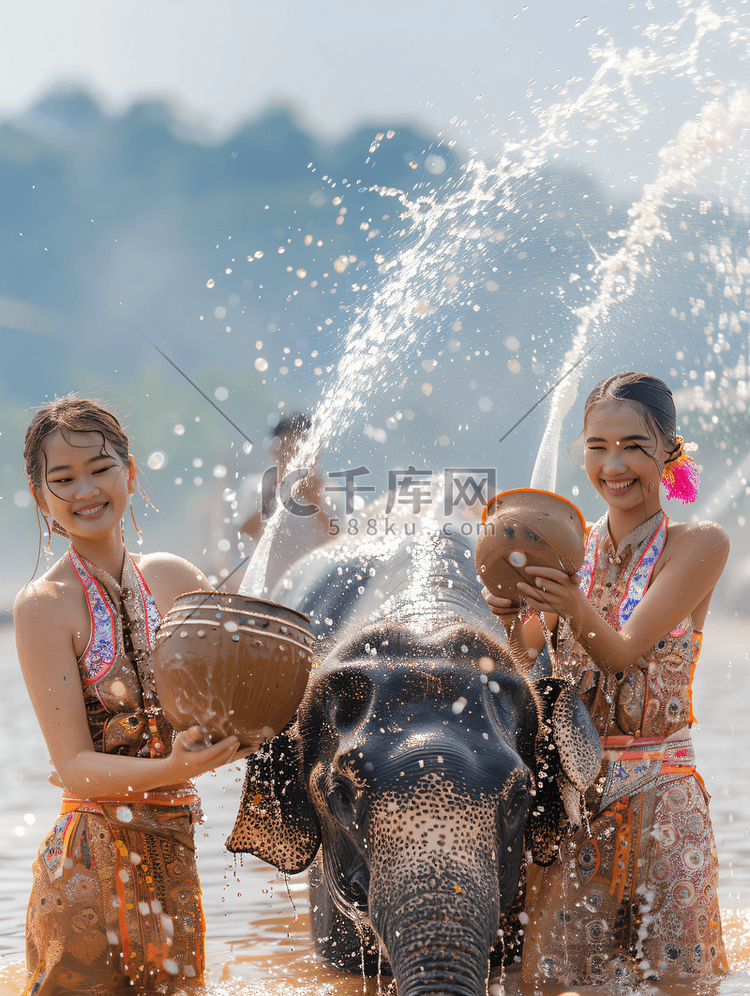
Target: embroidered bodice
<point x="116" y="672"/>
<point x="631" y="703"/>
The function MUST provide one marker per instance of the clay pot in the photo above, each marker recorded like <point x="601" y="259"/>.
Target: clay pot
<point x="527" y="528"/>
<point x="231" y="664"/>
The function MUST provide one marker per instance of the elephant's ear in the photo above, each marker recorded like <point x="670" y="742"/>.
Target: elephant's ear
<point x="568" y="756"/>
<point x="578" y="744"/>
<point x="276" y="820"/>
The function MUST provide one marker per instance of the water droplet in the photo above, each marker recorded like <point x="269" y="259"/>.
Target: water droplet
<point x="210" y="283"/>
<point x="261" y="364"/>
<point x="435" y="165"/>
<point x="179" y="429"/>
<point x="221" y="394"/>
<point x="157" y="460"/>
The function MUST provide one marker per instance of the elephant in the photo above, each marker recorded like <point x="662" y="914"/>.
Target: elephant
<point x="424" y="768"/>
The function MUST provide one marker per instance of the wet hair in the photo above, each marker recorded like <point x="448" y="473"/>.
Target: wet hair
<point x="70" y="414"/>
<point x="653" y="398"/>
<point x="297" y="424"/>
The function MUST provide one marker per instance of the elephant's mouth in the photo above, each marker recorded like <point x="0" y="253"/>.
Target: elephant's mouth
<point x="348" y="878"/>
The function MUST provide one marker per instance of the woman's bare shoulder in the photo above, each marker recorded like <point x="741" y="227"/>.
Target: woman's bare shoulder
<point x="702" y="536"/>
<point x="167" y="564"/>
<point x="51" y="592"/>
<point x="50" y="615"/>
<point x="698" y="545"/>
<point x="168" y="576"/>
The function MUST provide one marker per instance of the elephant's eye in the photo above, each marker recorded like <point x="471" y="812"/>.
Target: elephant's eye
<point x="518" y="800"/>
<point x="343" y="804"/>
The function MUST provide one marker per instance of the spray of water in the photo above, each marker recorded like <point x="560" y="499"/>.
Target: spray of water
<point x="453" y="238"/>
<point x="683" y="160"/>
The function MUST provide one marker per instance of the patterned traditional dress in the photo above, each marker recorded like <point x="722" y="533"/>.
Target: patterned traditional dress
<point x="634" y="893"/>
<point x="115" y="904"/>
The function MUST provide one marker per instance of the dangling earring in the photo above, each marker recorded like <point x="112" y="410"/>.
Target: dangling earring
<point x="137" y="528"/>
<point x="48" y="547"/>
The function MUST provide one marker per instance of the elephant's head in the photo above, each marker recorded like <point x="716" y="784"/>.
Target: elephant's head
<point x="425" y="765"/>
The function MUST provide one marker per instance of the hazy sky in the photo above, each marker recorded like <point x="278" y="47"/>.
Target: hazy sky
<point x="462" y="68"/>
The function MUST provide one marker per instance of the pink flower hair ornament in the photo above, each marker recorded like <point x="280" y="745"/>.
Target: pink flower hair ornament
<point x="681" y="477"/>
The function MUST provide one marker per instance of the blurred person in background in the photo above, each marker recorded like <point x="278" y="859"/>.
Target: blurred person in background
<point x="304" y="523"/>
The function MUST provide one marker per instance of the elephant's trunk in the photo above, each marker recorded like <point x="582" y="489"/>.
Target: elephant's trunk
<point x="440" y="959"/>
<point x="441" y="944"/>
<point x="434" y="897"/>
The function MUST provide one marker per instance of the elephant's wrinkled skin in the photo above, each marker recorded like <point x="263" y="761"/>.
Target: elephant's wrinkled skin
<point x="422" y="760"/>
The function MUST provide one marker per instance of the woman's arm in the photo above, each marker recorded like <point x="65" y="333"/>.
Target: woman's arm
<point x="695" y="556"/>
<point x="50" y="670"/>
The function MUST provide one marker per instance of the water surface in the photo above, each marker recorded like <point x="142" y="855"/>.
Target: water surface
<point x="257" y="925"/>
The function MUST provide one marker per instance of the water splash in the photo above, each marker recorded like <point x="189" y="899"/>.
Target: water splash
<point x="452" y="239"/>
<point x="683" y="160"/>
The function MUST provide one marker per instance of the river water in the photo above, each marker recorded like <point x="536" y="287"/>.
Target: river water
<point x="257" y="924"/>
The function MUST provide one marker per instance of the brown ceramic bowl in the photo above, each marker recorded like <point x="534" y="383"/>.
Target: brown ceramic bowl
<point x="527" y="528"/>
<point x="231" y="664"/>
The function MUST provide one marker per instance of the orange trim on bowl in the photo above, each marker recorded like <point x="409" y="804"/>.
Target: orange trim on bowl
<point x="536" y="491"/>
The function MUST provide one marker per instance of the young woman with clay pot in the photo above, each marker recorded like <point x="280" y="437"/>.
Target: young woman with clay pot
<point x="116" y="898"/>
<point x="633" y="893"/>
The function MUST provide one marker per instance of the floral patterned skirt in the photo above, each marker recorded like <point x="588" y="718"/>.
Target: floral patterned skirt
<point x="633" y="895"/>
<point x="116" y="903"/>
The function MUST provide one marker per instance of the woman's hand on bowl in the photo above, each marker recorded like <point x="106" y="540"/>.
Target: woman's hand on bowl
<point x="193" y="753"/>
<point x="550" y="590"/>
<point x="506" y="610"/>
